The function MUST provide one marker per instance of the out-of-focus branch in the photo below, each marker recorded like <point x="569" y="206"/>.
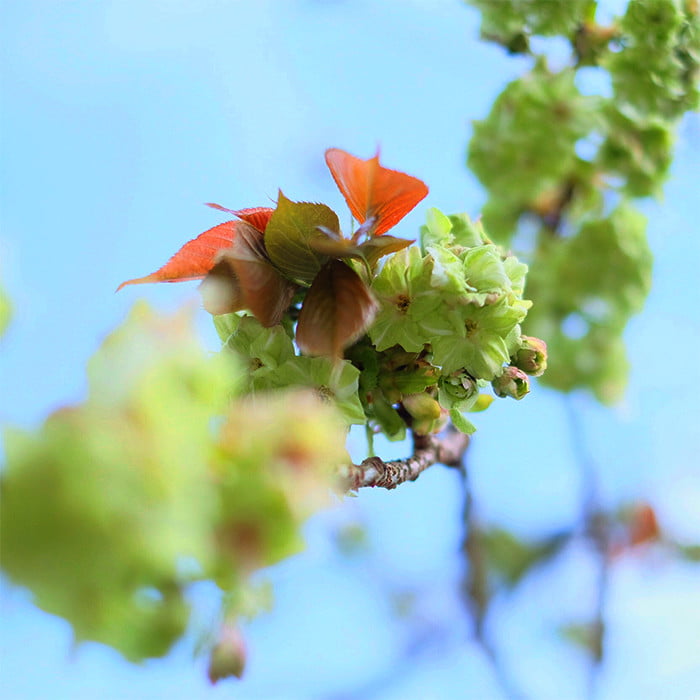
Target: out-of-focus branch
<point x="597" y="529"/>
<point x="447" y="449"/>
<point x="475" y="590"/>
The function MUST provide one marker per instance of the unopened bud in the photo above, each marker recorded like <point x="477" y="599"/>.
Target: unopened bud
<point x="459" y="385"/>
<point x="531" y="358"/>
<point x="429" y="426"/>
<point x="513" y="382"/>
<point x="421" y="406"/>
<point x="228" y="656"/>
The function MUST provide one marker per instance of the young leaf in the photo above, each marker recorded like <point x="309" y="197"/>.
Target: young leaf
<point x="372" y="191"/>
<point x="251" y="281"/>
<point x="335" y="247"/>
<point x="376" y="248"/>
<point x="221" y="290"/>
<point x="370" y="251"/>
<point x="337" y="310"/>
<point x="258" y="217"/>
<point x="194" y="260"/>
<point x="461" y="423"/>
<point x="288" y="236"/>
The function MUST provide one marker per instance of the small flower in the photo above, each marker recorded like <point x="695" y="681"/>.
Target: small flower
<point x="531" y="358"/>
<point x="513" y="382"/>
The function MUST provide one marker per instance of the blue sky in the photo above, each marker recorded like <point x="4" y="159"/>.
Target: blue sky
<point x="119" y="119"/>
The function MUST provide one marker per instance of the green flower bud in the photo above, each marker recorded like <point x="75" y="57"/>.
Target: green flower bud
<point x="428" y="416"/>
<point x="422" y="406"/>
<point x="457" y="390"/>
<point x="513" y="382"/>
<point x="531" y="358"/>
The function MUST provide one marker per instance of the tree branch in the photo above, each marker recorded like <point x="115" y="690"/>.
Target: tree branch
<point x="427" y="450"/>
<point x="597" y="529"/>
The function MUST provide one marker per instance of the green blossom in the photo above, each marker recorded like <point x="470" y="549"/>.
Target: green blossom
<point x="513" y="382"/>
<point x="408" y="300"/>
<point x="335" y="382"/>
<point x="478" y="342"/>
<point x="260" y="349"/>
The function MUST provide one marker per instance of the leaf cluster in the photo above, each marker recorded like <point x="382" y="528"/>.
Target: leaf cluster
<point x="567" y="164"/>
<point x="395" y="335"/>
<point x="161" y="478"/>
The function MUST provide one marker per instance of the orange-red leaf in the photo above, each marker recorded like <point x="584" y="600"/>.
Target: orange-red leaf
<point x="337" y="310"/>
<point x="256" y="216"/>
<point x="373" y="191"/>
<point x="194" y="260"/>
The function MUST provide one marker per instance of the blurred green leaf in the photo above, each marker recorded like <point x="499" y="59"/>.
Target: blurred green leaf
<point x="114" y="506"/>
<point x="587" y="636"/>
<point x="512" y="558"/>
<point x="5" y="311"/>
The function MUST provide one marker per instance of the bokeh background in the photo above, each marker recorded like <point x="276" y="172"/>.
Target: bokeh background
<point x="119" y="119"/>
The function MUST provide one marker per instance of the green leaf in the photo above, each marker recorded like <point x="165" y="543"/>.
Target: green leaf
<point x="288" y="236"/>
<point x="461" y="423"/>
<point x="587" y="636"/>
<point x="391" y="423"/>
<point x="689" y="552"/>
<point x="337" y="311"/>
<point x="226" y="325"/>
<point x="511" y="558"/>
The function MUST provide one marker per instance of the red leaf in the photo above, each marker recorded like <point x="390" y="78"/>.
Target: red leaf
<point x="245" y="278"/>
<point x="644" y="526"/>
<point x="256" y="216"/>
<point x="194" y="260"/>
<point x="337" y="310"/>
<point x="373" y="191"/>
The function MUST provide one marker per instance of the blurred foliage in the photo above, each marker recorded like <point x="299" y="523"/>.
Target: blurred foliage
<point x="5" y="311"/>
<point x="510" y="558"/>
<point x="446" y="326"/>
<point x="159" y="479"/>
<point x="567" y="164"/>
<point x="182" y="467"/>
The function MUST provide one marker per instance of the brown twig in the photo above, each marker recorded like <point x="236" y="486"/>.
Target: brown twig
<point x="427" y="450"/>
